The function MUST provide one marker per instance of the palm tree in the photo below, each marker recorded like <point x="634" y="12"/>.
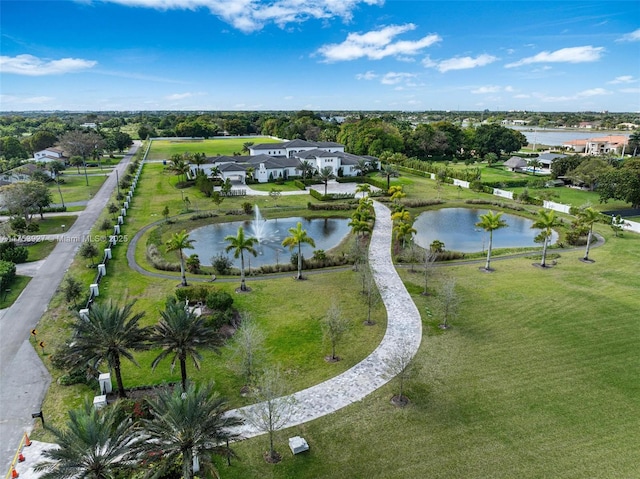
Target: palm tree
<point x="388" y="170"/>
<point x="179" y="165"/>
<point x="306" y="168"/>
<point x="298" y="236"/>
<point x="178" y="242"/>
<point x="239" y="244"/>
<point x="404" y="230"/>
<point x="325" y="175"/>
<point x="490" y="222"/>
<point x="187" y="430"/>
<point x="181" y="333"/>
<point x="535" y="163"/>
<point x="588" y="217"/>
<point x="364" y="188"/>
<point x="362" y="167"/>
<point x="107" y="333"/>
<point x="199" y="159"/>
<point x="215" y="172"/>
<point x="545" y="222"/>
<point x="96" y="444"/>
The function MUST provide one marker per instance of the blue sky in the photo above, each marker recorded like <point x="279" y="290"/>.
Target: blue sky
<point x="319" y="55"/>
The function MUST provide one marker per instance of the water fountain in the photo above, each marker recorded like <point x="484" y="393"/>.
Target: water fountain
<point x="258" y="224"/>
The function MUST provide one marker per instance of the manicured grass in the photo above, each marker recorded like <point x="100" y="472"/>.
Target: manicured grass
<point x="536" y="378"/>
<point x="7" y="298"/>
<point x="53" y="224"/>
<point x="286" y="186"/>
<point x="574" y="197"/>
<point x="75" y="187"/>
<point x="164" y="149"/>
<point x="40" y="250"/>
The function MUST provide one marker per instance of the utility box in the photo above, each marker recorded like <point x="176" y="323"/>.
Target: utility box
<point x="105" y="383"/>
<point x="100" y="401"/>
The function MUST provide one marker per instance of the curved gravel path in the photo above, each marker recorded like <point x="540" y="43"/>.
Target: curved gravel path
<point x="403" y="336"/>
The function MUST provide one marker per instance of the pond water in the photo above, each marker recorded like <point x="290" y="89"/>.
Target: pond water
<point x="209" y="240"/>
<point x="456" y="228"/>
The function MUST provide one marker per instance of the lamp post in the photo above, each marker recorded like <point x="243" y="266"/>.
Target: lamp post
<point x="117" y="180"/>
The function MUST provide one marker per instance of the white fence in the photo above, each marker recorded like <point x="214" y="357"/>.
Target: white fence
<point x="464" y="184"/>
<point x="632" y="226"/>
<point x="551" y="205"/>
<point x="503" y="193"/>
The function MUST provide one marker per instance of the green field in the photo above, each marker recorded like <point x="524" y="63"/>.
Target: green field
<point x="74" y="187"/>
<point x="164" y="149"/>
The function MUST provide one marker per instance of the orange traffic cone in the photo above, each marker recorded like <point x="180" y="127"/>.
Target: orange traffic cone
<point x="21" y="458"/>
<point x="27" y="442"/>
<point x="14" y="473"/>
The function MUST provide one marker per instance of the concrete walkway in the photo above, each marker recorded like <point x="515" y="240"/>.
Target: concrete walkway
<point x="402" y="337"/>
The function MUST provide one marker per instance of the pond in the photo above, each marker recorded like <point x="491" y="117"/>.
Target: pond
<point x="209" y="240"/>
<point x="456" y="228"/>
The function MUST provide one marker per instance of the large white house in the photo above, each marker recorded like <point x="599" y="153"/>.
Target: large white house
<point x="49" y="154"/>
<point x="270" y="161"/>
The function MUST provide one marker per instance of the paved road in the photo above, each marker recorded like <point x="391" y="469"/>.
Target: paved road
<point x="23" y="377"/>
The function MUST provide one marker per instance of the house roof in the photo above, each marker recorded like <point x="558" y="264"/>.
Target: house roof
<point x="299" y="144"/>
<point x="550" y="156"/>
<point x="232" y="167"/>
<point x="515" y="162"/>
<point x="612" y="139"/>
<point x="267" y="146"/>
<point x="316" y="153"/>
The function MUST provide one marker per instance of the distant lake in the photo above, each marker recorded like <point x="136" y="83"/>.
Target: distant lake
<point x="541" y="136"/>
<point x="456" y="228"/>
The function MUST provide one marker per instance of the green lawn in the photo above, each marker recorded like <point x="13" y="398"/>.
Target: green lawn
<point x="75" y="187"/>
<point x="53" y="224"/>
<point x="10" y="294"/>
<point x="40" y="250"/>
<point x="164" y="149"/>
<point x="537" y="378"/>
<point x="574" y="197"/>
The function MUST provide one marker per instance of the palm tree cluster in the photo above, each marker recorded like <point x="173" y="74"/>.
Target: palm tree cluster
<point x="403" y="229"/>
<point x="185" y="431"/>
<point x="363" y="217"/>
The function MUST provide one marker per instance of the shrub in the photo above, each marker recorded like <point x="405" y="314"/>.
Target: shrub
<point x="247" y="208"/>
<point x="12" y="253"/>
<point x="219" y="300"/>
<point x="194" y="294"/>
<point x="157" y="261"/>
<point x="7" y="273"/>
<point x="222" y="264"/>
<point x="299" y="184"/>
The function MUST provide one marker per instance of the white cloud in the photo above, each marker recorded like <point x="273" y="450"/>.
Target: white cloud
<point x="33" y="66"/>
<point x="623" y="79"/>
<point x="576" y="96"/>
<point x="487" y="89"/>
<point x="33" y="100"/>
<point x="593" y="92"/>
<point x="630" y="37"/>
<point x="252" y="15"/>
<point x="393" y="78"/>
<point x="564" y="55"/>
<point x="178" y="96"/>
<point x="629" y="90"/>
<point x="377" y="44"/>
<point x="459" y="63"/>
<point x="366" y="76"/>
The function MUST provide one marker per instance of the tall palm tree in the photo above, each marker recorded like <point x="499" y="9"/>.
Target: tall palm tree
<point x="404" y="231"/>
<point x="388" y="170"/>
<point x="298" y="236"/>
<point x="490" y="222"/>
<point x="181" y="333"/>
<point x="545" y="222"/>
<point x="588" y="217"/>
<point x="239" y="244"/>
<point x="96" y="444"/>
<point x="188" y="429"/>
<point x="179" y="165"/>
<point x="325" y="175"/>
<point x="108" y="333"/>
<point x="178" y="242"/>
<point x="199" y="159"/>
